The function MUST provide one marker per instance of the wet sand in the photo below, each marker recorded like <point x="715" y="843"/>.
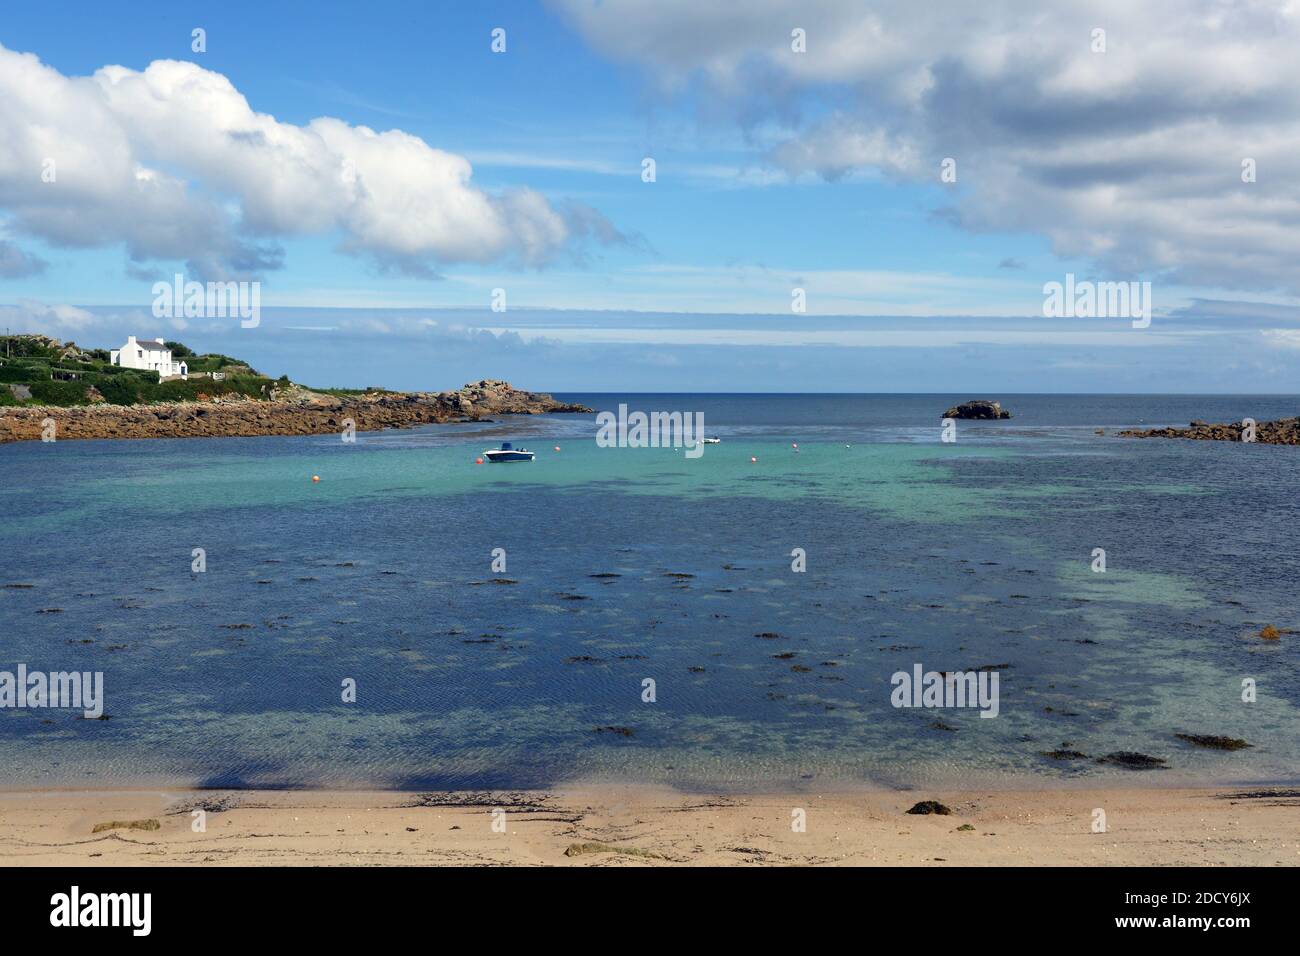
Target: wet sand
<point x="616" y="826"/>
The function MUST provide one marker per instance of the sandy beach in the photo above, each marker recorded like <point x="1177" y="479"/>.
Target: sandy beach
<point x="608" y="826"/>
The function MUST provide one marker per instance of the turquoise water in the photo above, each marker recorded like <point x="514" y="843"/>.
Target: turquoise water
<point x="630" y="564"/>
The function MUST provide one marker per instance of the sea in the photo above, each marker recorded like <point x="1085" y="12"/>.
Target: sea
<point x="732" y="622"/>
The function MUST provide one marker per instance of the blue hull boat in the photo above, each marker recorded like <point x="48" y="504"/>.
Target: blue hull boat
<point x="508" y="452"/>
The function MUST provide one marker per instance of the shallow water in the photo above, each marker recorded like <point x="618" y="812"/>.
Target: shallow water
<point x="954" y="556"/>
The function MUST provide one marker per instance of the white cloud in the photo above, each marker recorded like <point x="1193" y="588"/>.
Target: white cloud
<point x="1282" y="338"/>
<point x="32" y="316"/>
<point x="1131" y="157"/>
<point x="159" y="159"/>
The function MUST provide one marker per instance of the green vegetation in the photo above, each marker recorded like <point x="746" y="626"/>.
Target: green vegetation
<point x="64" y="374"/>
<point x="213" y="362"/>
<point x="342" y="392"/>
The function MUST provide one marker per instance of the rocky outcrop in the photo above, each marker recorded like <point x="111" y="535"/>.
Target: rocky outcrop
<point x="26" y="343"/>
<point x="1284" y="431"/>
<point x="294" y="412"/>
<point x="978" y="408"/>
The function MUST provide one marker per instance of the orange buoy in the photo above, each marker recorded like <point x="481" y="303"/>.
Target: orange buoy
<point x="557" y="447"/>
<point x="478" y="461"/>
<point x="752" y="458"/>
<point x="315" y="477"/>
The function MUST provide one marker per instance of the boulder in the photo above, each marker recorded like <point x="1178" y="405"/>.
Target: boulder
<point x="978" y="408"/>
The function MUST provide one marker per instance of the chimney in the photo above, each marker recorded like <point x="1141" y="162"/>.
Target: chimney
<point x="160" y="340"/>
<point x="130" y="340"/>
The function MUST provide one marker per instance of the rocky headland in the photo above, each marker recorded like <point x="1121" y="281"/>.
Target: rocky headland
<point x="290" y="411"/>
<point x="1284" y="431"/>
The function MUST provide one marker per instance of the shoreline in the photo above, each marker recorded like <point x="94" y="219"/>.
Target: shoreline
<point x="1154" y="781"/>
<point x="302" y="413"/>
<point x="603" y="825"/>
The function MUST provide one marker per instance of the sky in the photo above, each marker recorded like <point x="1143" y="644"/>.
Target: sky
<point x="911" y="175"/>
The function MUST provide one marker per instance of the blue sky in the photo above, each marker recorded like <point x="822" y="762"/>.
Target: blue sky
<point x="775" y="171"/>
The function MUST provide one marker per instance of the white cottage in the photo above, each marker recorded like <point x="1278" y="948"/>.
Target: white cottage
<point x="151" y="355"/>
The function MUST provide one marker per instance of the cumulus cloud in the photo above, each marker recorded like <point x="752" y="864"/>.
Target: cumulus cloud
<point x="839" y="145"/>
<point x="32" y="316"/>
<point x="173" y="163"/>
<point x="1131" y="157"/>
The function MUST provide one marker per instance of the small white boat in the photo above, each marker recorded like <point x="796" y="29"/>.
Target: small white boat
<point x="508" y="452"/>
<point x="712" y="441"/>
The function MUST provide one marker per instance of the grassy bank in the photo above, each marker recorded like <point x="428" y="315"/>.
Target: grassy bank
<point x="47" y="372"/>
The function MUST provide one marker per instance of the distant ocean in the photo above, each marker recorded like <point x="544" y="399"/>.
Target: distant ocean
<point x="624" y="565"/>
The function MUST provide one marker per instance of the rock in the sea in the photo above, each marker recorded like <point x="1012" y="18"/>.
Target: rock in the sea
<point x="1064" y="753"/>
<point x="1284" y="431"/>
<point x="930" y="806"/>
<point x="1214" y="742"/>
<point x="1132" y="760"/>
<point x="979" y="408"/>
